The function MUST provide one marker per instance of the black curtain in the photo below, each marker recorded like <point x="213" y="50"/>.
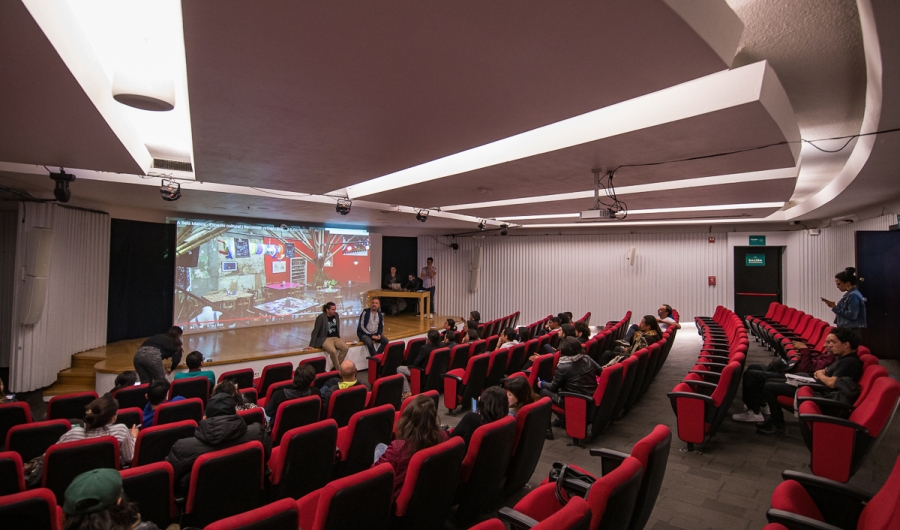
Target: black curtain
<point x="141" y="279"/>
<point x="400" y="252"/>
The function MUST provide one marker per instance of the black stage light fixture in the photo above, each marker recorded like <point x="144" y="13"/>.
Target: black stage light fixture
<point x="61" y="182"/>
<point x="170" y="190"/>
<point x="422" y="216"/>
<point x="503" y="230"/>
<point x="482" y="225"/>
<point x="343" y="206"/>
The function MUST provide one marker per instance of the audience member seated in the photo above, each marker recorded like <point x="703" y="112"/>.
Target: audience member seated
<point x="346" y="380"/>
<point x="450" y="339"/>
<point x="475" y="317"/>
<point x="230" y="387"/>
<point x="507" y="338"/>
<point x="582" y="332"/>
<point x="518" y="394"/>
<point x="194" y="362"/>
<point x="665" y="318"/>
<point x="449" y="325"/>
<point x="847" y="365"/>
<point x="565" y="318"/>
<point x="95" y="500"/>
<point x="421" y="360"/>
<point x="492" y="406"/>
<point x="304" y="376"/>
<point x="157" y="393"/>
<point x="11" y="398"/>
<point x="469" y="335"/>
<point x="648" y="333"/>
<point x="523" y="334"/>
<point x="220" y="429"/>
<point x="100" y="420"/>
<point x="575" y="372"/>
<point x="418" y="428"/>
<point x="552" y="325"/>
<point x="566" y="330"/>
<point x="371" y="327"/>
<point x="126" y="379"/>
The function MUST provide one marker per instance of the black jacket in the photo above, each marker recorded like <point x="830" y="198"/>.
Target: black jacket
<point x="211" y="435"/>
<point x="575" y="374"/>
<point x="320" y="330"/>
<point x="421" y="360"/>
<point x="413" y="285"/>
<point x="388" y="280"/>
<point x="284" y="394"/>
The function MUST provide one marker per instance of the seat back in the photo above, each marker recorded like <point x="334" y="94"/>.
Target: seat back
<point x="33" y="439"/>
<point x="516" y="358"/>
<point x="640" y="371"/>
<point x="542" y="368"/>
<point x="613" y="496"/>
<point x="883" y="509"/>
<point x="459" y="356"/>
<point x="69" y="406"/>
<point x="295" y="413"/>
<point x="65" y="461"/>
<point x="652" y="451"/>
<point x="344" y="403"/>
<point x="154" y="443"/>
<point x="175" y="411"/>
<point x="605" y="397"/>
<point x="249" y="394"/>
<point x="254" y="415"/>
<point x="475" y="376"/>
<point x="274" y="373"/>
<point x="479" y="347"/>
<point x="435" y="370"/>
<point x="393" y="358"/>
<point x="654" y="352"/>
<point x="12" y="414"/>
<point x="35" y="510"/>
<point x="629" y="373"/>
<point x="242" y="377"/>
<point x="531" y="347"/>
<point x="366" y="430"/>
<point x="12" y="474"/>
<point x="869" y="376"/>
<point x="318" y="364"/>
<point x="130" y="417"/>
<point x="412" y="349"/>
<point x="492" y="342"/>
<point x="387" y="391"/>
<point x="531" y="427"/>
<point x="274" y="388"/>
<point x="305" y="459"/>
<point x="152" y="488"/>
<point x="133" y="396"/>
<point x="343" y="503"/>
<point x="878" y="408"/>
<point x="423" y="501"/>
<point x="484" y="467"/>
<point x="240" y="468"/>
<point x="279" y="515"/>
<point x="496" y="367"/>
<point x="191" y="387"/>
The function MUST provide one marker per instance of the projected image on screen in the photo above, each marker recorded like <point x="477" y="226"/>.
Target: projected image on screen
<point x="239" y="275"/>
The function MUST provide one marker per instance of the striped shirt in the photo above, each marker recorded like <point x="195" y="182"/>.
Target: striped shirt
<point x="118" y="431"/>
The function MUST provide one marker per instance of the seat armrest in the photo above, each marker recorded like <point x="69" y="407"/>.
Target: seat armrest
<point x="376" y="359"/>
<point x="450" y="376"/>
<point x="574" y="395"/>
<point x="832" y="487"/>
<point x="797" y="522"/>
<point x="603" y="452"/>
<point x="516" y="519"/>
<point x="825" y="401"/>
<point x="704" y="373"/>
<point x="833" y="420"/>
<point x="699" y="383"/>
<point x="690" y="395"/>
<point x="712" y="364"/>
<point x="815" y="386"/>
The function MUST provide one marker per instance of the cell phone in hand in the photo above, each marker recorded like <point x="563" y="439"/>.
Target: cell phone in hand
<point x="474" y="405"/>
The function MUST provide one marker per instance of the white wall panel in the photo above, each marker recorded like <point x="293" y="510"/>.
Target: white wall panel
<point x="8" y="228"/>
<point x="540" y="275"/>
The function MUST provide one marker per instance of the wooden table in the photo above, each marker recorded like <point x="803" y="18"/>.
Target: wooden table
<point x="423" y="296"/>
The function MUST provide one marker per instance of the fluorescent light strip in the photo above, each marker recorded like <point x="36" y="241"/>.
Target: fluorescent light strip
<point x="708" y="208"/>
<point x="661" y="222"/>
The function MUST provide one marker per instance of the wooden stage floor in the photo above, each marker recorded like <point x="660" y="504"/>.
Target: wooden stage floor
<point x="253" y="344"/>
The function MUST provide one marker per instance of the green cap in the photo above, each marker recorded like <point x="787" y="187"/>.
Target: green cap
<point x="93" y="491"/>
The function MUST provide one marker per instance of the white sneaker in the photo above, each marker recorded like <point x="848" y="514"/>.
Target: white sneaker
<point x="749" y="417"/>
<point x="764" y="409"/>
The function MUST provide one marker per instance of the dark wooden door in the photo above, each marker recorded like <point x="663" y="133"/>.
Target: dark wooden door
<point x="757" y="279"/>
<point x="878" y="265"/>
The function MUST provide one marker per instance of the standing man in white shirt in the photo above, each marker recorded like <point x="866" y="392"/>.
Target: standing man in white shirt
<point x="429" y="272"/>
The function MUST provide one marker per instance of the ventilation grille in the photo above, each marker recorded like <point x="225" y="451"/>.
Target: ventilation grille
<point x="172" y="165"/>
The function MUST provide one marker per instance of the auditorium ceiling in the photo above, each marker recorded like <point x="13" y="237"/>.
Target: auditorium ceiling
<point x="475" y="111"/>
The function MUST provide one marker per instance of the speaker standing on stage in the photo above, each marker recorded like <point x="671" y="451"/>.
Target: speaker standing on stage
<point x="371" y="327"/>
<point x="326" y="334"/>
<point x="148" y="359"/>
<point x="429" y="272"/>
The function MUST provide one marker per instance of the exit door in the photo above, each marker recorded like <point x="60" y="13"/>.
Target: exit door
<point x="878" y="259"/>
<point x="757" y="279"/>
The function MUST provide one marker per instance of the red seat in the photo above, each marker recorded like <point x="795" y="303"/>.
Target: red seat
<point x="175" y="411"/>
<point x="492" y="341"/>
<point x="34" y="510"/>
<point x="69" y="406"/>
<point x="386" y="362"/>
<point x="304" y="461"/>
<point x="459" y="356"/>
<point x="33" y="439"/>
<point x="575" y="515"/>
<point x="629" y="373"/>
<point x="243" y="377"/>
<point x="496" y="367"/>
<point x="595" y="412"/>
<point x="132" y="396"/>
<point x="12" y="414"/>
<point x="387" y="391"/>
<point x="836" y="408"/>
<point x="271" y="392"/>
<point x="516" y="358"/>
<point x="356" y="442"/>
<point x="249" y="394"/>
<point x="478" y="347"/>
<point x="191" y="387"/>
<point x="152" y="488"/>
<point x="346" y="402"/>
<point x="225" y="483"/>
<point x="462" y="386"/>
<point x="430" y="377"/>
<point x="254" y="415"/>
<point x="424" y="502"/>
<point x="280" y="515"/>
<point x="318" y="364"/>
<point x="12" y="474"/>
<point x="412" y="349"/>
<point x="433" y="394"/>
<point x="154" y="443"/>
<point x="65" y="461"/>
<point x="531" y="427"/>
<point x="295" y="413"/>
<point x="322" y="378"/>
<point x="344" y="503"/>
<point x="130" y="417"/>
<point x="700" y="406"/>
<point x="273" y="373"/>
<point x="484" y="467"/>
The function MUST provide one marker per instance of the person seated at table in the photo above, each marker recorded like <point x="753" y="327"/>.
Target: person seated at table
<point x="413" y="285"/>
<point x="391" y="280"/>
<point x="371" y="327"/>
<point x="194" y="362"/>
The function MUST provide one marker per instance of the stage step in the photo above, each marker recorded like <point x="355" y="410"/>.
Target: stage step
<point x="81" y="377"/>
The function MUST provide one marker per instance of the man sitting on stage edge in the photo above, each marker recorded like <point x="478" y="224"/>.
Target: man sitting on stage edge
<point x="371" y="327"/>
<point x="326" y="334"/>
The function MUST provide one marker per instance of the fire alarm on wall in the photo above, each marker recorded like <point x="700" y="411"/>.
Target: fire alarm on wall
<point x="712" y="280"/>
<point x="712" y="240"/>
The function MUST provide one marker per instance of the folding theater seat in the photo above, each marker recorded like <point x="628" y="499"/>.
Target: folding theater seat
<point x="541" y="368"/>
<point x="154" y="443"/>
<point x="432" y="376"/>
<point x="69" y="406"/>
<point x="187" y="409"/>
<point x="273" y="373"/>
<point x="481" y="329"/>
<point x="753" y="321"/>
<point x="356" y="442"/>
<point x="478" y="347"/>
<point x="386" y="391"/>
<point x="35" y="510"/>
<point x="295" y="413"/>
<point x="412" y="349"/>
<point x="243" y="377"/>
<point x="33" y="439"/>
<point x="363" y="499"/>
<point x="191" y="387"/>
<point x="832" y="407"/>
<point x="611" y="498"/>
<point x="629" y="373"/>
<point x="587" y="416"/>
<point x="65" y="461"/>
<point x="318" y="363"/>
<point x="641" y="368"/>
<point x="655" y="352"/>
<point x="531" y="427"/>
<point x="12" y="414"/>
<point x="346" y="402"/>
<point x="484" y="467"/>
<point x="531" y="347"/>
<point x="386" y="362"/>
<point x="433" y="394"/>
<point x="592" y="347"/>
<point x="542" y="341"/>
<point x="575" y="515"/>
<point x="254" y="415"/>
<point x="652" y="451"/>
<point x="249" y="394"/>
<point x="279" y="515"/>
<point x="808" y="501"/>
<point x="304" y="461"/>
<point x="461" y="386"/>
<point x="496" y="367"/>
<point x="700" y="406"/>
<point x="586" y="318"/>
<point x="459" y="356"/>
<point x="132" y="396"/>
<point x="130" y="417"/>
<point x="515" y="319"/>
<point x="271" y="391"/>
<point x="152" y="487"/>
<point x="224" y="483"/>
<point x="516" y="358"/>
<point x="424" y="503"/>
<point x="12" y="474"/>
<point x="838" y="447"/>
<point x="669" y="335"/>
<point x="492" y="342"/>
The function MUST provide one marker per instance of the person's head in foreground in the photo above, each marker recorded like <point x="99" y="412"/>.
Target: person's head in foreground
<point x="419" y="426"/>
<point x="493" y="405"/>
<point x="841" y="342"/>
<point x="95" y="500"/>
<point x="519" y="393"/>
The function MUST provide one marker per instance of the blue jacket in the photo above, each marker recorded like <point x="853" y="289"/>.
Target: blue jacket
<point x="364" y="320"/>
<point x="850" y="311"/>
<point x="149" y="412"/>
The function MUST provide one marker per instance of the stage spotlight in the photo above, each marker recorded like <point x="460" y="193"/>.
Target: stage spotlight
<point x="343" y="206"/>
<point x="61" y="182"/>
<point x="422" y="216"/>
<point x="503" y="230"/>
<point x="481" y="225"/>
<point x="170" y="190"/>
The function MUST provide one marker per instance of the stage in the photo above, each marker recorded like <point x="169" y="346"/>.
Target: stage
<point x="253" y="347"/>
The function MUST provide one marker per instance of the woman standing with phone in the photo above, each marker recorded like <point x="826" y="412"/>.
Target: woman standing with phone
<point x="850" y="310"/>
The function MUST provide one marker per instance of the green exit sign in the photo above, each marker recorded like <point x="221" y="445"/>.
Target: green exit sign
<point x="757" y="241"/>
<point x="756" y="260"/>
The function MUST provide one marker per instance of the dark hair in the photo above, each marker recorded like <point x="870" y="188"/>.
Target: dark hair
<point x="125" y="379"/>
<point x="568" y="330"/>
<point x="229" y="387"/>
<point x="570" y="347"/>
<point x="471" y="324"/>
<point x="100" y="412"/>
<point x="158" y="391"/>
<point x="509" y="333"/>
<point x="373" y="299"/>
<point x="524" y="334"/>
<point x="452" y="323"/>
<point x="450" y="336"/>
<point x="175" y="332"/>
<point x="650" y="320"/>
<point x="847" y="275"/>
<point x="846" y="335"/>
<point x="419" y="426"/>
<point x="434" y="336"/>
<point x="303" y="377"/>
<point x="193" y="360"/>
<point x="556" y="320"/>
<point x="493" y="404"/>
<point x="569" y="315"/>
<point x="583" y="328"/>
<point x="668" y="310"/>
<point x="521" y="389"/>
<point x="475" y="315"/>
<point x="430" y="259"/>
<point x="121" y="516"/>
<point x="473" y="334"/>
<point x="327" y="305"/>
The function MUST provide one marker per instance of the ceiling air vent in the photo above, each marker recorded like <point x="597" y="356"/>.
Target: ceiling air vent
<point x="172" y="165"/>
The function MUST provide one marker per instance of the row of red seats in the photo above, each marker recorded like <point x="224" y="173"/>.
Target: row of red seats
<point x="494" y="327"/>
<point x="782" y="325"/>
